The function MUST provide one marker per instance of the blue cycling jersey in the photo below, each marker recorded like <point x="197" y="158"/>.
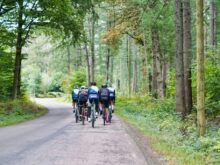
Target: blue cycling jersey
<point x="75" y="94"/>
<point x="93" y="92"/>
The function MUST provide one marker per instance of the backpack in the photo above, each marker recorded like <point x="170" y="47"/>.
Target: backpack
<point x="104" y="94"/>
<point x="83" y="96"/>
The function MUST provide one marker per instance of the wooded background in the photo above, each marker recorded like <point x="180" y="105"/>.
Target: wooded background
<point x="143" y="47"/>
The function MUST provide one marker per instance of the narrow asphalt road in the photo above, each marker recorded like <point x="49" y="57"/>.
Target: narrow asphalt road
<point x="55" y="139"/>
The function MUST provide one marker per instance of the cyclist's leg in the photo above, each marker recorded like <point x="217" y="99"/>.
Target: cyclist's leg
<point x="113" y="103"/>
<point x="96" y="101"/>
<point x="100" y="107"/>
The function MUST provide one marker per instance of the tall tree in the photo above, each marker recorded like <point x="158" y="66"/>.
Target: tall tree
<point x="187" y="54"/>
<point x="157" y="67"/>
<point x="200" y="67"/>
<point x="18" y="57"/>
<point x="180" y="94"/>
<point x="213" y="14"/>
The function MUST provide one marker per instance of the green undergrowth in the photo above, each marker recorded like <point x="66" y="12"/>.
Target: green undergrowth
<point x="19" y="111"/>
<point x="169" y="135"/>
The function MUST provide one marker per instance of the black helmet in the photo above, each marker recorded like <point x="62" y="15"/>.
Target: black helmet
<point x="82" y="87"/>
<point x="104" y="86"/>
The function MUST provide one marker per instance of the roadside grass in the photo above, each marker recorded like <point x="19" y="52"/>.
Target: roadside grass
<point x="19" y="111"/>
<point x="168" y="134"/>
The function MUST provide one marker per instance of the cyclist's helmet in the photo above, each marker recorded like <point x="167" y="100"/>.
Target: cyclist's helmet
<point x="104" y="86"/>
<point x="76" y="87"/>
<point x="82" y="87"/>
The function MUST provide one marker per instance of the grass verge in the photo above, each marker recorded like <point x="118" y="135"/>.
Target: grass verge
<point x="19" y="111"/>
<point x="171" y="137"/>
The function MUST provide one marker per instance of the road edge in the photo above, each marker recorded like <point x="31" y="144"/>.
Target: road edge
<point x="151" y="156"/>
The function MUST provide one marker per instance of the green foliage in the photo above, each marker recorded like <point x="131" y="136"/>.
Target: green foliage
<point x="6" y="70"/>
<point x="78" y="78"/>
<point x="170" y="83"/>
<point x="18" y="111"/>
<point x="171" y="135"/>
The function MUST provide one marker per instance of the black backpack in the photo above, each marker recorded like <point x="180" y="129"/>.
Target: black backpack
<point x="83" y="96"/>
<point x="104" y="94"/>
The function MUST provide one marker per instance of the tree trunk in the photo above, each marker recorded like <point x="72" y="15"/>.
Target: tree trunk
<point x="180" y="93"/>
<point x="135" y="70"/>
<point x="18" y="58"/>
<point x="187" y="54"/>
<point x="213" y="35"/>
<point x="129" y="64"/>
<point x="157" y="63"/>
<point x="164" y="76"/>
<point x="88" y="63"/>
<point x="68" y="60"/>
<point x="143" y="68"/>
<point x="93" y="46"/>
<point x="112" y="69"/>
<point x="200" y="67"/>
<point x="107" y="64"/>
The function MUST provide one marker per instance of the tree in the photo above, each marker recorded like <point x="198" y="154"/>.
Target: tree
<point x="213" y="25"/>
<point x="180" y="94"/>
<point x="200" y="67"/>
<point x="187" y="54"/>
<point x="29" y="14"/>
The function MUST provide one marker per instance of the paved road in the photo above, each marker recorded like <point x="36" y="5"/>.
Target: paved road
<point x="55" y="139"/>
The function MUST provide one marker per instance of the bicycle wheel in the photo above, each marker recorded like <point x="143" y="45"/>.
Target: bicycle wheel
<point x="83" y="115"/>
<point x="77" y="115"/>
<point x="110" y="114"/>
<point x="93" y="116"/>
<point x="104" y="116"/>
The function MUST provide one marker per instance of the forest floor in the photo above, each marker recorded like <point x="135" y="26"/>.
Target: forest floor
<point x="176" y="140"/>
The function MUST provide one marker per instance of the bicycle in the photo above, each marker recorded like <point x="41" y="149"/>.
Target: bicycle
<point x="83" y="113"/>
<point x="93" y="116"/>
<point x="77" y="114"/>
<point x="107" y="115"/>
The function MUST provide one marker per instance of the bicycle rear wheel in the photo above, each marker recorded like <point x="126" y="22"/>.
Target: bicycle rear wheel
<point x="83" y="115"/>
<point x="104" y="116"/>
<point x="77" y="115"/>
<point x="110" y="114"/>
<point x="93" y="116"/>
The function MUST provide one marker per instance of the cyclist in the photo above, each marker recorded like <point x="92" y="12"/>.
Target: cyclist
<point x="82" y="98"/>
<point x="104" y="97"/>
<point x="112" y="96"/>
<point x="93" y="97"/>
<point x="75" y="92"/>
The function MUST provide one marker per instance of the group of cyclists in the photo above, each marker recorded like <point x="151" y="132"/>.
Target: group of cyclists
<point x="102" y="98"/>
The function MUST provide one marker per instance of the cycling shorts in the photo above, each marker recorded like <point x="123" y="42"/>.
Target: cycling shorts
<point x="105" y="104"/>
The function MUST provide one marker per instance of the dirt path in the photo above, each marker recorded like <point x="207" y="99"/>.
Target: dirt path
<point x="56" y="139"/>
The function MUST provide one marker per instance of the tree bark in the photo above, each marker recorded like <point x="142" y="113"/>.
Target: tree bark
<point x="187" y="54"/>
<point x="93" y="46"/>
<point x="157" y="75"/>
<point x="213" y="35"/>
<point x="200" y="67"/>
<point x="135" y="71"/>
<point x="88" y="63"/>
<point x="18" y="58"/>
<point x="107" y="64"/>
<point x="180" y="93"/>
<point x="129" y="64"/>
